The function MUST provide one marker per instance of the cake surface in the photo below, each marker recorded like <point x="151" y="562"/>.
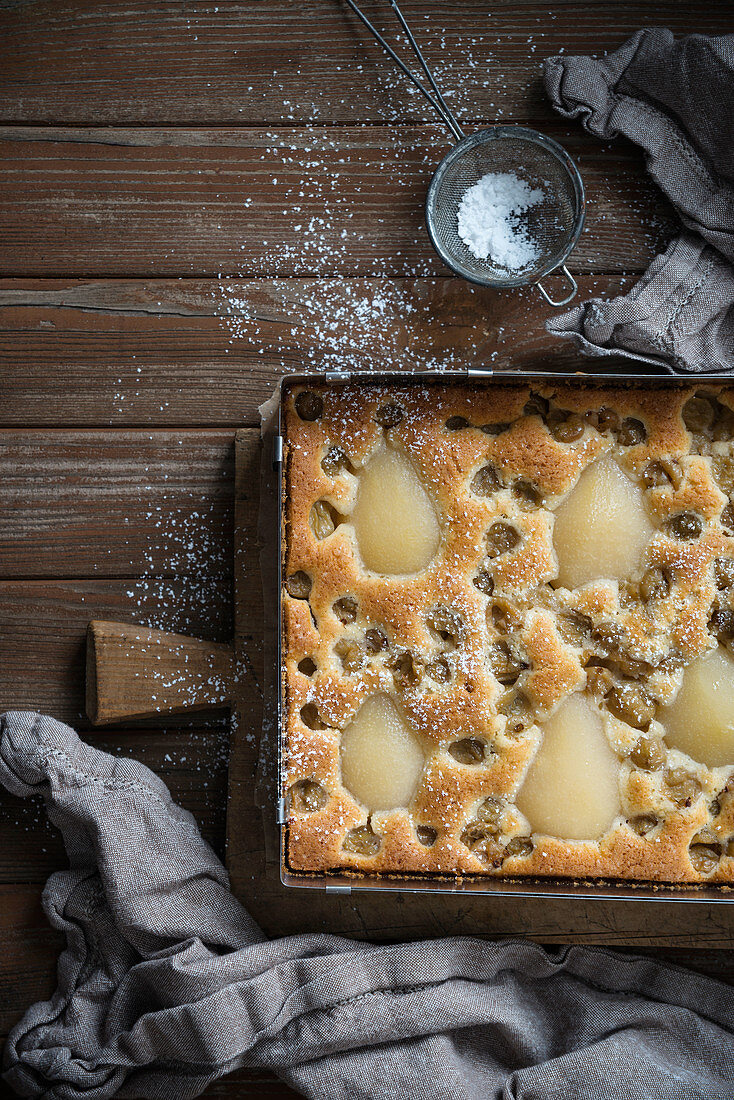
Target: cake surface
<point x="508" y="614"/>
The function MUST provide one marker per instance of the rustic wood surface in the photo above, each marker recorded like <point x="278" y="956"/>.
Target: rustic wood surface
<point x="193" y="199"/>
<point x="135" y="672"/>
<point x="197" y="202"/>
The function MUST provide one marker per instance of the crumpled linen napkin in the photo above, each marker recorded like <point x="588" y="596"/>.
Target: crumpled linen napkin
<point x="166" y="983"/>
<point x="676" y="100"/>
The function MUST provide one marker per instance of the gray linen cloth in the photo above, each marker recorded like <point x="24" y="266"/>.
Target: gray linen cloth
<point x="166" y="983"/>
<point x="676" y="100"/>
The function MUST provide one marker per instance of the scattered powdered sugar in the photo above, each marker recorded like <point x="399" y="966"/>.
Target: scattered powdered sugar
<point x="357" y="324"/>
<point x="489" y="217"/>
<point x="185" y="584"/>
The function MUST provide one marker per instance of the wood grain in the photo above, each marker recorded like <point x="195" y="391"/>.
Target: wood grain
<point x="30" y="950"/>
<point x="74" y="61"/>
<point x="396" y="916"/>
<point x="111" y="504"/>
<point x="331" y="201"/>
<point x="241" y="1085"/>
<point x="135" y="672"/>
<point x="44" y="625"/>
<point x="206" y="353"/>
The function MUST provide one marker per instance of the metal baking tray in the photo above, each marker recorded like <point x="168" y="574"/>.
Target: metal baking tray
<point x="348" y="882"/>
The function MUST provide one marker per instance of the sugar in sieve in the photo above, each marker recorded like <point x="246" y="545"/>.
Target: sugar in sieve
<point x="554" y="223"/>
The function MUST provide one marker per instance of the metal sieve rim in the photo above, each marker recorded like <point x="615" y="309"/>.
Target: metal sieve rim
<point x="482" y="137"/>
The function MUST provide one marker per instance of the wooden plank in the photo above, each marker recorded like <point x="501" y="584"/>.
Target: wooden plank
<point x="74" y="61"/>
<point x="396" y="917"/>
<point x="30" y="950"/>
<point x="302" y="201"/>
<point x="208" y="352"/>
<point x="191" y="761"/>
<point x="44" y="625"/>
<point x="111" y="504"/>
<point x="78" y="204"/>
<point x="135" y="672"/>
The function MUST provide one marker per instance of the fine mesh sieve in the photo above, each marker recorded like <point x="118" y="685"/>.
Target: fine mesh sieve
<point x="553" y="225"/>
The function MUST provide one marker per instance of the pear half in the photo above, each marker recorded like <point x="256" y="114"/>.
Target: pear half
<point x="394" y="519"/>
<point x="602" y="528"/>
<point x="700" y="720"/>
<point x="381" y="756"/>
<point x="572" y="786"/>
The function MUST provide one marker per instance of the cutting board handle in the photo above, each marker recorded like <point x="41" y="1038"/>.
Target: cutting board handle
<point x="136" y="672"/>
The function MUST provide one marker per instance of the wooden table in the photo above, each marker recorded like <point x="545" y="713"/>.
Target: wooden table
<point x="194" y="198"/>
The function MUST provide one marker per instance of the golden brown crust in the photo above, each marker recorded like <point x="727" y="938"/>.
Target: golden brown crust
<point x="449" y="432"/>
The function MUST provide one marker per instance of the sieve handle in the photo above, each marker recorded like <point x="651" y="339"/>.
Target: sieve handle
<point x="435" y="98"/>
<point x="569" y="297"/>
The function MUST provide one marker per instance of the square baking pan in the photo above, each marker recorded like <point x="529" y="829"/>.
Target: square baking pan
<point x="342" y="882"/>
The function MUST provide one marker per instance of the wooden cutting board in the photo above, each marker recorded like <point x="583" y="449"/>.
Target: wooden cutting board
<point x="135" y="672"/>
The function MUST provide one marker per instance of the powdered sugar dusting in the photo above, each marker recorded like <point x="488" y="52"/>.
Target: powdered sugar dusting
<point x="490" y="220"/>
<point x="344" y="325"/>
<point x="186" y="586"/>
